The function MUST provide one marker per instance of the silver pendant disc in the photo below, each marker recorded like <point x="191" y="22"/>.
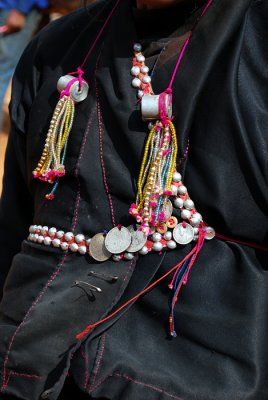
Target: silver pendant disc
<point x="183" y="233"/>
<point x="138" y="239"/>
<point x="117" y="240"/>
<point x="97" y="249"/>
<point x="167" y="209"/>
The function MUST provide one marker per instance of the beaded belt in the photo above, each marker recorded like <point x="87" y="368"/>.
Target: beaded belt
<point x="120" y="242"/>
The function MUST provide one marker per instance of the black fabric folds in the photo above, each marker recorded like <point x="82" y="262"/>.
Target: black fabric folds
<point x="220" y="108"/>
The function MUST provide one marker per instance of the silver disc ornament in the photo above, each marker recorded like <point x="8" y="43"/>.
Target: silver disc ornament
<point x="118" y="240"/>
<point x="97" y="249"/>
<point x="183" y="233"/>
<point x="78" y="94"/>
<point x="138" y="239"/>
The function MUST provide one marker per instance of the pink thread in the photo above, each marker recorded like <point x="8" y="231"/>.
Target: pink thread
<point x="155" y="388"/>
<point x="99" y="362"/>
<point x="86" y="369"/>
<point x="100" y="33"/>
<point x="228" y="239"/>
<point x="52" y="277"/>
<point x="101" y="152"/>
<point x="185" y="153"/>
<point x="66" y="91"/>
<point x="13" y="373"/>
<point x="185" y="45"/>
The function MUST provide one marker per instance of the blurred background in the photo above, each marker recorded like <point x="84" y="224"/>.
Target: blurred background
<point x="19" y="22"/>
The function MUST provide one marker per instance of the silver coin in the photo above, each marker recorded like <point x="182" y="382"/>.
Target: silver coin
<point x="138" y="239"/>
<point x="167" y="209"/>
<point x="118" y="240"/>
<point x="183" y="233"/>
<point x="97" y="249"/>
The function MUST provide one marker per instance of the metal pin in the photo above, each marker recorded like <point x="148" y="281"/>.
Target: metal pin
<point x="109" y="278"/>
<point x="92" y="287"/>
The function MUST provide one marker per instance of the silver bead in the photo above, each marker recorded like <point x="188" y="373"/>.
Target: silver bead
<point x="178" y="202"/>
<point x="39" y="228"/>
<point x="140" y="58"/>
<point x="88" y="241"/>
<point x="210" y="233"/>
<point x="82" y="250"/>
<point x="52" y="231"/>
<point x="189" y="204"/>
<point x="128" y="256"/>
<point x="144" y="251"/>
<point x="137" y="47"/>
<point x="136" y="82"/>
<point x="171" y="245"/>
<point x="31" y="229"/>
<point x="168" y="235"/>
<point x="69" y="236"/>
<point x="146" y="79"/>
<point x="196" y="219"/>
<point x="56" y="242"/>
<point x="47" y="241"/>
<point x="64" y="246"/>
<point x="174" y="190"/>
<point x="156" y="237"/>
<point x="144" y="69"/>
<point x="150" y="125"/>
<point x="135" y="71"/>
<point x="140" y="94"/>
<point x="44" y="230"/>
<point x="36" y="236"/>
<point x="157" y="246"/>
<point x="79" y="238"/>
<point x="185" y="214"/>
<point x="73" y="247"/>
<point x="116" y="257"/>
<point x="40" y="239"/>
<point x="196" y="231"/>
<point x="182" y="189"/>
<point x="60" y="234"/>
<point x="176" y="177"/>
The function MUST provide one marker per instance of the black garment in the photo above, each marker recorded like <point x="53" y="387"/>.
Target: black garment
<point x="220" y="105"/>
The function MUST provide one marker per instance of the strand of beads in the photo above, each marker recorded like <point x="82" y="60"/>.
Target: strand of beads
<point x="140" y="71"/>
<point x="50" y="165"/>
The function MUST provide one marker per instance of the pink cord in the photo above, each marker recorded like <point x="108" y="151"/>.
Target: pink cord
<point x="253" y="245"/>
<point x="100" y="33"/>
<point x="184" y="47"/>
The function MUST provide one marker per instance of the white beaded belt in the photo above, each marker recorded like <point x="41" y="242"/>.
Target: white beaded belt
<point x="120" y="242"/>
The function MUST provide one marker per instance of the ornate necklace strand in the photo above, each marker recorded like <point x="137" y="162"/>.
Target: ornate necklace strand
<point x="159" y="182"/>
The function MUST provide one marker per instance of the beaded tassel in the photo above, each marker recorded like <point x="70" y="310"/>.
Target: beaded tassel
<point x="155" y="178"/>
<point x="50" y="166"/>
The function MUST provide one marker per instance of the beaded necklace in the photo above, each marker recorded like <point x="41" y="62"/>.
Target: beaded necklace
<point x="159" y="187"/>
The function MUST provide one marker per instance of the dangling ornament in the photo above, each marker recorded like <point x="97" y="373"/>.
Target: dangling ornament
<point x="51" y="164"/>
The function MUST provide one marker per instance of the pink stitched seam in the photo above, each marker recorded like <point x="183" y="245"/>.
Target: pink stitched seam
<point x="55" y="274"/>
<point x="155" y="388"/>
<point x="86" y="369"/>
<point x="12" y="373"/>
<point x="185" y="153"/>
<point x="99" y="362"/>
<point x="101" y="147"/>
